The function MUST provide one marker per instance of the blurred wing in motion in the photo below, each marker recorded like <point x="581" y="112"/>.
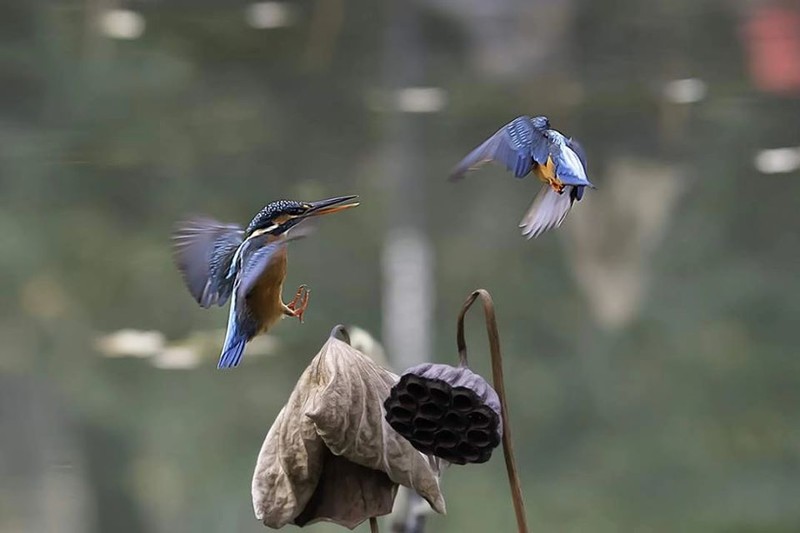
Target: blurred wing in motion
<point x="517" y="145"/>
<point x="204" y="249"/>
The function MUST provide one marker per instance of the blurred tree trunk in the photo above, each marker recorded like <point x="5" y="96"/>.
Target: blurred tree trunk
<point x="408" y="285"/>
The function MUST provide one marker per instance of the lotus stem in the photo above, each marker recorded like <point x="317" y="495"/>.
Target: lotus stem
<point x="497" y="377"/>
<point x="373" y="525"/>
<point x="340" y="332"/>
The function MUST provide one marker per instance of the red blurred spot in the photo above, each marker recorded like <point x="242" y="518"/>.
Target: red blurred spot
<point x="772" y="38"/>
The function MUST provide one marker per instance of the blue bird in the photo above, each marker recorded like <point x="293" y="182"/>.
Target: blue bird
<point x="221" y="262"/>
<point x="529" y="144"/>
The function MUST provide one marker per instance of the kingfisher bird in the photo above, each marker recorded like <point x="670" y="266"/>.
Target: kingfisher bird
<point x="221" y="261"/>
<point x="529" y="144"/>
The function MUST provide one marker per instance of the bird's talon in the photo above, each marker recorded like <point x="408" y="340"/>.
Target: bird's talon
<point x="300" y="290"/>
<point x="557" y="186"/>
<point x="297" y="307"/>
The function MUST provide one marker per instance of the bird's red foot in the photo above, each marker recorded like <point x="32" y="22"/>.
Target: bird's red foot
<point x="297" y="307"/>
<point x="556" y="185"/>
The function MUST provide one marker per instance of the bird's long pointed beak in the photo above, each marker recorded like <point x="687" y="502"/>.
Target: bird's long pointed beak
<point x="331" y="205"/>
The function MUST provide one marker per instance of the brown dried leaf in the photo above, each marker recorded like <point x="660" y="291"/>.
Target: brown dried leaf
<point x="349" y="416"/>
<point x="289" y="464"/>
<point x="336" y="411"/>
<point x="347" y="493"/>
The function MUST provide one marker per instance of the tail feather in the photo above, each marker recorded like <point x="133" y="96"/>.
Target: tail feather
<point x="235" y="342"/>
<point x="232" y="354"/>
<point x="548" y="210"/>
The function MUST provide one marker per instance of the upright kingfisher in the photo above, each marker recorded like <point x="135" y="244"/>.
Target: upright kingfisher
<point x="529" y="144"/>
<point x="222" y="261"/>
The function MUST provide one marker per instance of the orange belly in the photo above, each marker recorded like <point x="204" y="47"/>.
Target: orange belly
<point x="265" y="301"/>
<point x="547" y="173"/>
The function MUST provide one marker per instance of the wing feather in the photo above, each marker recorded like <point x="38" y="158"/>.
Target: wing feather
<point x="254" y="263"/>
<point x="255" y="258"/>
<point x="517" y="145"/>
<point x="203" y="251"/>
<point x="578" y="149"/>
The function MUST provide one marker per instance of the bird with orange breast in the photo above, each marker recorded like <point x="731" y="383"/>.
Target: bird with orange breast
<point x="529" y="145"/>
<point x="221" y="261"/>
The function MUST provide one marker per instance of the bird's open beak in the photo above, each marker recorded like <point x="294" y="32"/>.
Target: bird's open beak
<point x="331" y="205"/>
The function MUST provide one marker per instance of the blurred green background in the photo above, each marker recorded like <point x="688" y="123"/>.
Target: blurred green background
<point x="650" y="342"/>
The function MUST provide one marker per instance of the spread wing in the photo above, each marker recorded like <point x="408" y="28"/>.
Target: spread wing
<point x="517" y="145"/>
<point x="204" y="249"/>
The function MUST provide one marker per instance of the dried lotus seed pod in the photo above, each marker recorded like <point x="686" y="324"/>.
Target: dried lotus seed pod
<point x="450" y="412"/>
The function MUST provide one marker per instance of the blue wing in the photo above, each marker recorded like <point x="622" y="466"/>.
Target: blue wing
<point x="570" y="163"/>
<point x="578" y="149"/>
<point x="518" y="145"/>
<point x="255" y="257"/>
<point x="204" y="249"/>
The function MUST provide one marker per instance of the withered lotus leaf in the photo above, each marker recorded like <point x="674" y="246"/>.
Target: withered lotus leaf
<point x="330" y="455"/>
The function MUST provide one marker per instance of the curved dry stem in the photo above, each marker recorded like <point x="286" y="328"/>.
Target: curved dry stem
<point x="373" y="525"/>
<point x="497" y="377"/>
<point x="341" y="332"/>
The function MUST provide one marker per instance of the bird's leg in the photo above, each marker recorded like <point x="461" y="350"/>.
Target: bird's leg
<point x="300" y="290"/>
<point x="547" y="173"/>
<point x="556" y="184"/>
<point x="297" y="306"/>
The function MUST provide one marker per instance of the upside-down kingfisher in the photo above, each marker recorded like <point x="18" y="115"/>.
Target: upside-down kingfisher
<point x="221" y="261"/>
<point x="529" y="144"/>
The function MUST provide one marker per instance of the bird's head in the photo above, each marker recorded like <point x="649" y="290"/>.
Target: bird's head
<point x="280" y="216"/>
<point x="541" y="122"/>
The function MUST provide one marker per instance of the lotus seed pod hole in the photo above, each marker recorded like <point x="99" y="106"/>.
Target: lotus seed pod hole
<point x="439" y="395"/>
<point x="424" y="424"/>
<point x="406" y="400"/>
<point x="431" y="410"/>
<point x="462" y="402"/>
<point x="478" y="437"/>
<point x="446" y="439"/>
<point x="478" y="419"/>
<point x="455" y="421"/>
<point x="448" y="455"/>
<point x="468" y="451"/>
<point x="423" y="437"/>
<point x="417" y="390"/>
<point x="401" y="414"/>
